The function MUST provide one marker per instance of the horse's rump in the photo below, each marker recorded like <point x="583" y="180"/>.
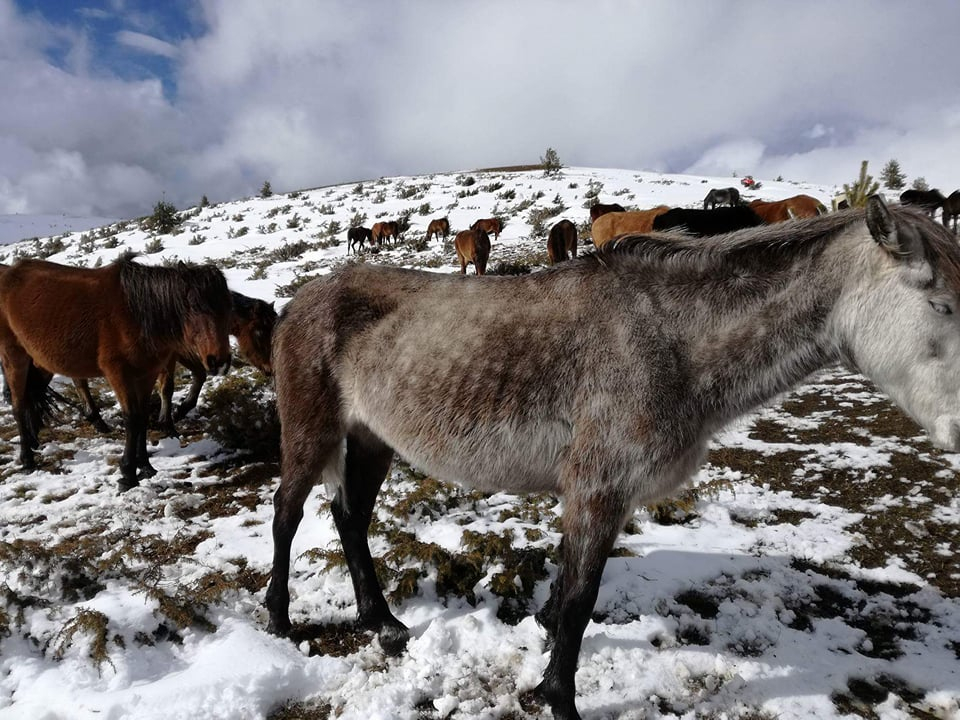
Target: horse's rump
<point x="472" y="246"/>
<point x="562" y="241"/>
<point x="608" y="226"/>
<point x="792" y="208"/>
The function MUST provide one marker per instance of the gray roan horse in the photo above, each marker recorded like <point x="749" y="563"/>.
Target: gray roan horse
<point x="693" y="335"/>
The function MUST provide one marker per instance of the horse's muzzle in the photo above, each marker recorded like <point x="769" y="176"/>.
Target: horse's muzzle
<point x="215" y="367"/>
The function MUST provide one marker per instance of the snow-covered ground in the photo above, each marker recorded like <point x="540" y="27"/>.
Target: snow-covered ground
<point x="810" y="574"/>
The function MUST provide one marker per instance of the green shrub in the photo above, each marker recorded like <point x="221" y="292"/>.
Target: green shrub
<point x="243" y="415"/>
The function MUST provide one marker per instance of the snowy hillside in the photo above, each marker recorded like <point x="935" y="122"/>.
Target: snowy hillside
<point x="809" y="573"/>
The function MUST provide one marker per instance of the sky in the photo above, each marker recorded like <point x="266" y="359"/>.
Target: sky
<point x="113" y="105"/>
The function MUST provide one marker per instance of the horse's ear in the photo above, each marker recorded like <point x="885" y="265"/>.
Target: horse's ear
<point x="882" y="226"/>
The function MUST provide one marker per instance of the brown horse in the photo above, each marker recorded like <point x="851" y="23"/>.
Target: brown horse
<point x="600" y="209"/>
<point x="562" y="242"/>
<point x="356" y="237"/>
<point x="124" y="322"/>
<point x="472" y="246"/>
<point x="383" y="231"/>
<point x="439" y="227"/>
<point x="608" y="226"/>
<point x="792" y="208"/>
<point x="492" y="226"/>
<point x="251" y="323"/>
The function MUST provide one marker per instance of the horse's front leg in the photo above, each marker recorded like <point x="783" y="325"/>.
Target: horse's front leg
<point x="133" y="393"/>
<point x="591" y="523"/>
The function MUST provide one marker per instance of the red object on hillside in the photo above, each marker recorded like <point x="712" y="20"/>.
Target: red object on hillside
<point x="748" y="181"/>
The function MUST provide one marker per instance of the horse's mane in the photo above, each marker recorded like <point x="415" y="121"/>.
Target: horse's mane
<point x="161" y="298"/>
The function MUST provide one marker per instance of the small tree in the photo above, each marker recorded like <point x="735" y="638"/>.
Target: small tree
<point x="865" y="186"/>
<point x="204" y="202"/>
<point x="920" y="183"/>
<point x="164" y="218"/>
<point x="893" y="178"/>
<point x="266" y="191"/>
<point x="551" y="163"/>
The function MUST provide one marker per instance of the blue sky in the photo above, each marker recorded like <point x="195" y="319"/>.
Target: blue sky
<point x="112" y="105"/>
<point x="129" y="39"/>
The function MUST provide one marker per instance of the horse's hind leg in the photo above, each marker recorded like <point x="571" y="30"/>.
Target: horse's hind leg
<point x="367" y="463"/>
<point x="591" y="523"/>
<point x="307" y="450"/>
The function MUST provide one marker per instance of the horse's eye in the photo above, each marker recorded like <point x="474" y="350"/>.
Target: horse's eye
<point x="941" y="308"/>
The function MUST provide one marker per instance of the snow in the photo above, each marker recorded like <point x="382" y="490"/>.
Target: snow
<point x="462" y="660"/>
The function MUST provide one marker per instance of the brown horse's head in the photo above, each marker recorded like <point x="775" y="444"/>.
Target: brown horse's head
<point x="252" y="325"/>
<point x="207" y="316"/>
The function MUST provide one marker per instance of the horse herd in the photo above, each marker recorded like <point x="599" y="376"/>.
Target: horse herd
<point x="495" y="388"/>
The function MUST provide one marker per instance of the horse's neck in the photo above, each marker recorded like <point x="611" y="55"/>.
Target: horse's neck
<point x="768" y="336"/>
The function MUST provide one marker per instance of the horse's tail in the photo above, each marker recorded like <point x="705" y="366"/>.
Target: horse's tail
<point x="43" y="403"/>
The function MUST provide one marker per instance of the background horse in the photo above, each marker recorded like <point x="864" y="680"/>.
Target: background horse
<point x="562" y="241"/>
<point x="707" y="222"/>
<point x="383" y="231"/>
<point x="792" y="208"/>
<point x="606" y="227"/>
<point x="929" y="200"/>
<point x="721" y="196"/>
<point x="627" y="418"/>
<point x="951" y="209"/>
<point x="598" y="209"/>
<point x="124" y="322"/>
<point x="472" y="246"/>
<point x="251" y="322"/>
<point x="492" y="226"/>
<point x="356" y="237"/>
<point x="439" y="227"/>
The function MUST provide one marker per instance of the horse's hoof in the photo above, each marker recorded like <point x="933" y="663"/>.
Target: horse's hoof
<point x="560" y="703"/>
<point x="101" y="426"/>
<point x="393" y="639"/>
<point x="146" y="471"/>
<point x="279" y="626"/>
<point x="124" y="484"/>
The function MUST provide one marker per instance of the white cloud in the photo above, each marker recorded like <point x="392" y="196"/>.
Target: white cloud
<point x="306" y="93"/>
<point x="146" y="43"/>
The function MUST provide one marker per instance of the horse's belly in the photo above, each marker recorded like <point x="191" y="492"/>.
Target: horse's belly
<point x="511" y="457"/>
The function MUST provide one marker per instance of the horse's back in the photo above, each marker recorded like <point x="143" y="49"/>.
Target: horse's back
<point x="58" y="313"/>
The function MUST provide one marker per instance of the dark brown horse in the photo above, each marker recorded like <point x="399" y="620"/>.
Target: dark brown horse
<point x="472" y="246"/>
<point x="251" y="323"/>
<point x="562" y="241"/>
<point x="613" y="224"/>
<point x="124" y="322"/>
<point x="491" y="226"/>
<point x="951" y="209"/>
<point x="792" y="208"/>
<point x="599" y="209"/>
<point x="438" y="227"/>
<point x="928" y="200"/>
<point x="356" y="236"/>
